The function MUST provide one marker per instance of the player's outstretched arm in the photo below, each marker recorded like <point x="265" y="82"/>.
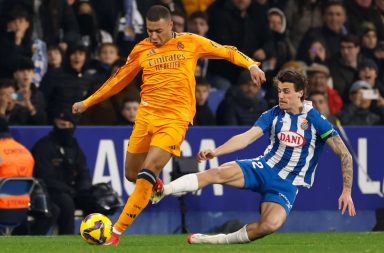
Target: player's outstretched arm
<point x="235" y="143"/>
<point x="345" y="200"/>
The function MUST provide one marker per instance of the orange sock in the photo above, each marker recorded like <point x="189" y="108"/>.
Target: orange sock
<point x="135" y="204"/>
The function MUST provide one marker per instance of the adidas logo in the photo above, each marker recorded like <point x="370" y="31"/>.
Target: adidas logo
<point x="151" y="52"/>
<point x="173" y="147"/>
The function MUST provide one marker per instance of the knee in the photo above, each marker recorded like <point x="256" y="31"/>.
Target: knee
<point x="264" y="228"/>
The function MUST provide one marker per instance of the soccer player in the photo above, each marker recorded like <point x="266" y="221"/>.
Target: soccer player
<point x="168" y="62"/>
<point x="298" y="133"/>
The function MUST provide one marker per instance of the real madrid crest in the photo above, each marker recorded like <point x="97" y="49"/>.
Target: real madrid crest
<point x="304" y="124"/>
<point x="180" y="45"/>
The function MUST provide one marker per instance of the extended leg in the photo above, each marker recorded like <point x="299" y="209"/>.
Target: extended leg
<point x="273" y="216"/>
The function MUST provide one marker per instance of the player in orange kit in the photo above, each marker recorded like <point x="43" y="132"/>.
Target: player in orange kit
<point x="168" y="61"/>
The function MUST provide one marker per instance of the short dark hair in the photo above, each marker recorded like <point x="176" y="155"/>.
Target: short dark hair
<point x="350" y="38"/>
<point x="317" y="92"/>
<point x="199" y="14"/>
<point x="298" y="79"/>
<point x="157" y="12"/>
<point x="332" y="3"/>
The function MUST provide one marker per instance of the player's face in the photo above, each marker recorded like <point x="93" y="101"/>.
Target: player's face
<point x="159" y="32"/>
<point x="289" y="99"/>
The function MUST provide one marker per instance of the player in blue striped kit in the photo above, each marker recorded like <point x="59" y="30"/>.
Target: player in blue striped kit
<point x="298" y="133"/>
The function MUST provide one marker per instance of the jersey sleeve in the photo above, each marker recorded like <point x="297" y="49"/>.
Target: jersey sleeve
<point x="323" y="127"/>
<point x="265" y="120"/>
<point x="212" y="50"/>
<point x="120" y="79"/>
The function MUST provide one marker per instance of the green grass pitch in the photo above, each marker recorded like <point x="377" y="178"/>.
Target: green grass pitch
<point x="281" y="242"/>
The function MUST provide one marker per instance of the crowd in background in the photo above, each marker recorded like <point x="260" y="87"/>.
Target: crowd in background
<point x="56" y="52"/>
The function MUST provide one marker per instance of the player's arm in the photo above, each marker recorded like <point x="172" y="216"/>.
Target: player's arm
<point x="235" y="143"/>
<point x="212" y="50"/>
<point x="121" y="78"/>
<point x="345" y="200"/>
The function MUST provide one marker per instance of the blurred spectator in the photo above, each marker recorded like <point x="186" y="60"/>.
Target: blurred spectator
<point x="179" y="21"/>
<point x="333" y="28"/>
<point x="316" y="53"/>
<point x="108" y="54"/>
<point x="301" y="16"/>
<point x="242" y="104"/>
<point x="62" y="87"/>
<point x="192" y="6"/>
<point x="318" y="76"/>
<point x="360" y="11"/>
<point x="108" y="14"/>
<point x="15" y="40"/>
<point x="344" y="65"/>
<point x="234" y="23"/>
<point x="55" y="57"/>
<point x="358" y="111"/>
<point x="91" y="35"/>
<point x="368" y="71"/>
<point x="61" y="165"/>
<point x="279" y="48"/>
<point x="204" y="115"/>
<point x="368" y="40"/>
<point x="320" y="102"/>
<point x="198" y="24"/>
<point x="129" y="112"/>
<point x="27" y="94"/>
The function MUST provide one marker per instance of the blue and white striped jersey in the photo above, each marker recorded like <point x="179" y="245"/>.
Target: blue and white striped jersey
<point x="296" y="141"/>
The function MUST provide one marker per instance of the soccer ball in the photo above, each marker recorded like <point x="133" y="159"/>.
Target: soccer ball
<point x="96" y="228"/>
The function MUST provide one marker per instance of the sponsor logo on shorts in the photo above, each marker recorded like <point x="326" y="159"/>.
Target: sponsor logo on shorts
<point x="291" y="139"/>
<point x="288" y="203"/>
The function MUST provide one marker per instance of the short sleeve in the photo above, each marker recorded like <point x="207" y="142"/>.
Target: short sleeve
<point x="323" y="127"/>
<point x="265" y="120"/>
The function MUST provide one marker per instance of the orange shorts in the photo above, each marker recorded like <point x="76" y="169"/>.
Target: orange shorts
<point x="151" y="130"/>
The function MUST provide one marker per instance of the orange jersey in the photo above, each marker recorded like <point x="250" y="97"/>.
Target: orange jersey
<point x="168" y="88"/>
<point x="15" y="159"/>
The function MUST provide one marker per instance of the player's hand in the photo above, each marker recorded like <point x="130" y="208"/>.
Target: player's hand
<point x="78" y="108"/>
<point x="205" y="155"/>
<point x="257" y="75"/>
<point x="346" y="202"/>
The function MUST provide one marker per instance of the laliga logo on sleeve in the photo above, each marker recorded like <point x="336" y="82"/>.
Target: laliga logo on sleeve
<point x="291" y="139"/>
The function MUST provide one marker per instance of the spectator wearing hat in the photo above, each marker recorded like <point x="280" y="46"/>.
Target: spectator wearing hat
<point x="242" y="104"/>
<point x="358" y="112"/>
<point x="318" y="76"/>
<point x="369" y="40"/>
<point x="62" y="87"/>
<point x="61" y="166"/>
<point x="27" y="95"/>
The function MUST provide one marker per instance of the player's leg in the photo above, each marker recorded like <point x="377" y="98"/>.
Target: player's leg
<point x="227" y="174"/>
<point x="273" y="216"/>
<point x="156" y="159"/>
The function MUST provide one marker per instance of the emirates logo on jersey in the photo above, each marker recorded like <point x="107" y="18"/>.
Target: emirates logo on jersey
<point x="291" y="139"/>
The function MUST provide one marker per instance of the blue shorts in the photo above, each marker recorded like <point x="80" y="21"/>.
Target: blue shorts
<point x="259" y="177"/>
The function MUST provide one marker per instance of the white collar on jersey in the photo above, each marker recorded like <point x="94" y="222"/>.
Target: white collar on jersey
<point x="307" y="106"/>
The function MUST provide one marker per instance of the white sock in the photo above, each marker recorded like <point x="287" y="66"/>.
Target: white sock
<point x="114" y="230"/>
<point x="187" y="183"/>
<point x="239" y="236"/>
